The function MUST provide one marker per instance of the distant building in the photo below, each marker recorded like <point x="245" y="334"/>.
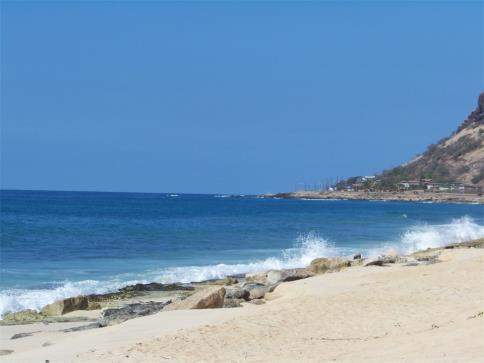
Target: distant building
<point x="409" y="184"/>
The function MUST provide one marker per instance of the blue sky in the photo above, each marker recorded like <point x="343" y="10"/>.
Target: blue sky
<point x="228" y="97"/>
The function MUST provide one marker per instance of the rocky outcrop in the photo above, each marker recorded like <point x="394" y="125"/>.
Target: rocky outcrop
<point x="65" y="306"/>
<point x="478" y="243"/>
<point x="476" y="117"/>
<point x="129" y="311"/>
<point x="255" y="290"/>
<point x="272" y="277"/>
<point x="136" y="290"/>
<point x="208" y="298"/>
<point x="237" y="293"/>
<point x="323" y="265"/>
<point x="233" y="303"/>
<point x="375" y="263"/>
<point x="22" y="317"/>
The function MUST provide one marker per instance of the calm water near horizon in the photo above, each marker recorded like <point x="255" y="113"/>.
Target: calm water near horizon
<point x="59" y="244"/>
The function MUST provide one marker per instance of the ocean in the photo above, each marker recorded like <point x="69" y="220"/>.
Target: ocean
<point x="61" y="244"/>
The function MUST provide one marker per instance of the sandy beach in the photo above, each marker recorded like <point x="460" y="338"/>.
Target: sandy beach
<point x="392" y="313"/>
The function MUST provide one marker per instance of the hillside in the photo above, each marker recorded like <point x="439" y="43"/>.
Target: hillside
<point x="459" y="157"/>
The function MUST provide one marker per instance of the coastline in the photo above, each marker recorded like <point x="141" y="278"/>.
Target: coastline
<point x="408" y="196"/>
<point x="389" y="303"/>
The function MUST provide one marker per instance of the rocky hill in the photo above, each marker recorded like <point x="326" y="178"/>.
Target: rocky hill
<point x="459" y="157"/>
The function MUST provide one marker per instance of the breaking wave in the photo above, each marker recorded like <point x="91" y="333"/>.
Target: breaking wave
<point x="432" y="236"/>
<point x="423" y="236"/>
<point x="307" y="248"/>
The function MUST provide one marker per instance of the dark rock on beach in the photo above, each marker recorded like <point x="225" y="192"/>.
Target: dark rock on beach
<point x="257" y="290"/>
<point x="155" y="286"/>
<point x="21" y="335"/>
<point x="82" y="327"/>
<point x="130" y="311"/>
<point x="237" y="293"/>
<point x="233" y="303"/>
<point x="375" y="263"/>
<point x="137" y="290"/>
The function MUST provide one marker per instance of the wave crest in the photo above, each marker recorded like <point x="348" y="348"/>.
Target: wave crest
<point x="433" y="236"/>
<point x="307" y="248"/>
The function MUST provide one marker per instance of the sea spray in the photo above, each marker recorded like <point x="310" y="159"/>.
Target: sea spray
<point x="307" y="247"/>
<point x="423" y="236"/>
<point x="432" y="236"/>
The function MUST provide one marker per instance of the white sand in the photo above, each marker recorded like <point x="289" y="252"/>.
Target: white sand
<point x="363" y="314"/>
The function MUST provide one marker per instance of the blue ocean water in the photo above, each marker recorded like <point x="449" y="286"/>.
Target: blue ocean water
<point x="59" y="244"/>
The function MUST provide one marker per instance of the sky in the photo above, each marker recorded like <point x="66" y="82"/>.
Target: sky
<point x="228" y="97"/>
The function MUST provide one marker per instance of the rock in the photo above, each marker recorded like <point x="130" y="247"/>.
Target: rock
<point x="429" y="259"/>
<point x="323" y="265"/>
<point x="233" y="303"/>
<point x="257" y="277"/>
<point x="23" y="317"/>
<point x="226" y="281"/>
<point x="209" y="298"/>
<point x="236" y="293"/>
<point x="66" y="319"/>
<point x="257" y="290"/>
<point x="47" y="344"/>
<point x="129" y="311"/>
<point x="229" y="280"/>
<point x="65" y="306"/>
<point x="376" y="263"/>
<point x="357" y="257"/>
<point x="22" y="335"/>
<point x="82" y="327"/>
<point x="5" y="351"/>
<point x="155" y="286"/>
<point x="388" y="259"/>
<point x="257" y="302"/>
<point x="357" y="262"/>
<point x="136" y="290"/>
<point x="272" y="277"/>
<point x="411" y="264"/>
<point x="93" y="306"/>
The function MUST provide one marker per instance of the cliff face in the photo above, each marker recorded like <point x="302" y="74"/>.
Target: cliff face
<point x="459" y="157"/>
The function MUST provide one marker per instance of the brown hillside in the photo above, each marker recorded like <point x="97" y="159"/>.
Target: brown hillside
<point x="459" y="157"/>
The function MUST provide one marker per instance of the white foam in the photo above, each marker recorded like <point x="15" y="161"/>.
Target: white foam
<point x="432" y="236"/>
<point x="425" y="236"/>
<point x="307" y="248"/>
<point x="12" y="300"/>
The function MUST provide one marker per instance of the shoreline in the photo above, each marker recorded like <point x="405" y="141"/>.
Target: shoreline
<point x="409" y="196"/>
<point x="163" y="292"/>
<point x="308" y="295"/>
